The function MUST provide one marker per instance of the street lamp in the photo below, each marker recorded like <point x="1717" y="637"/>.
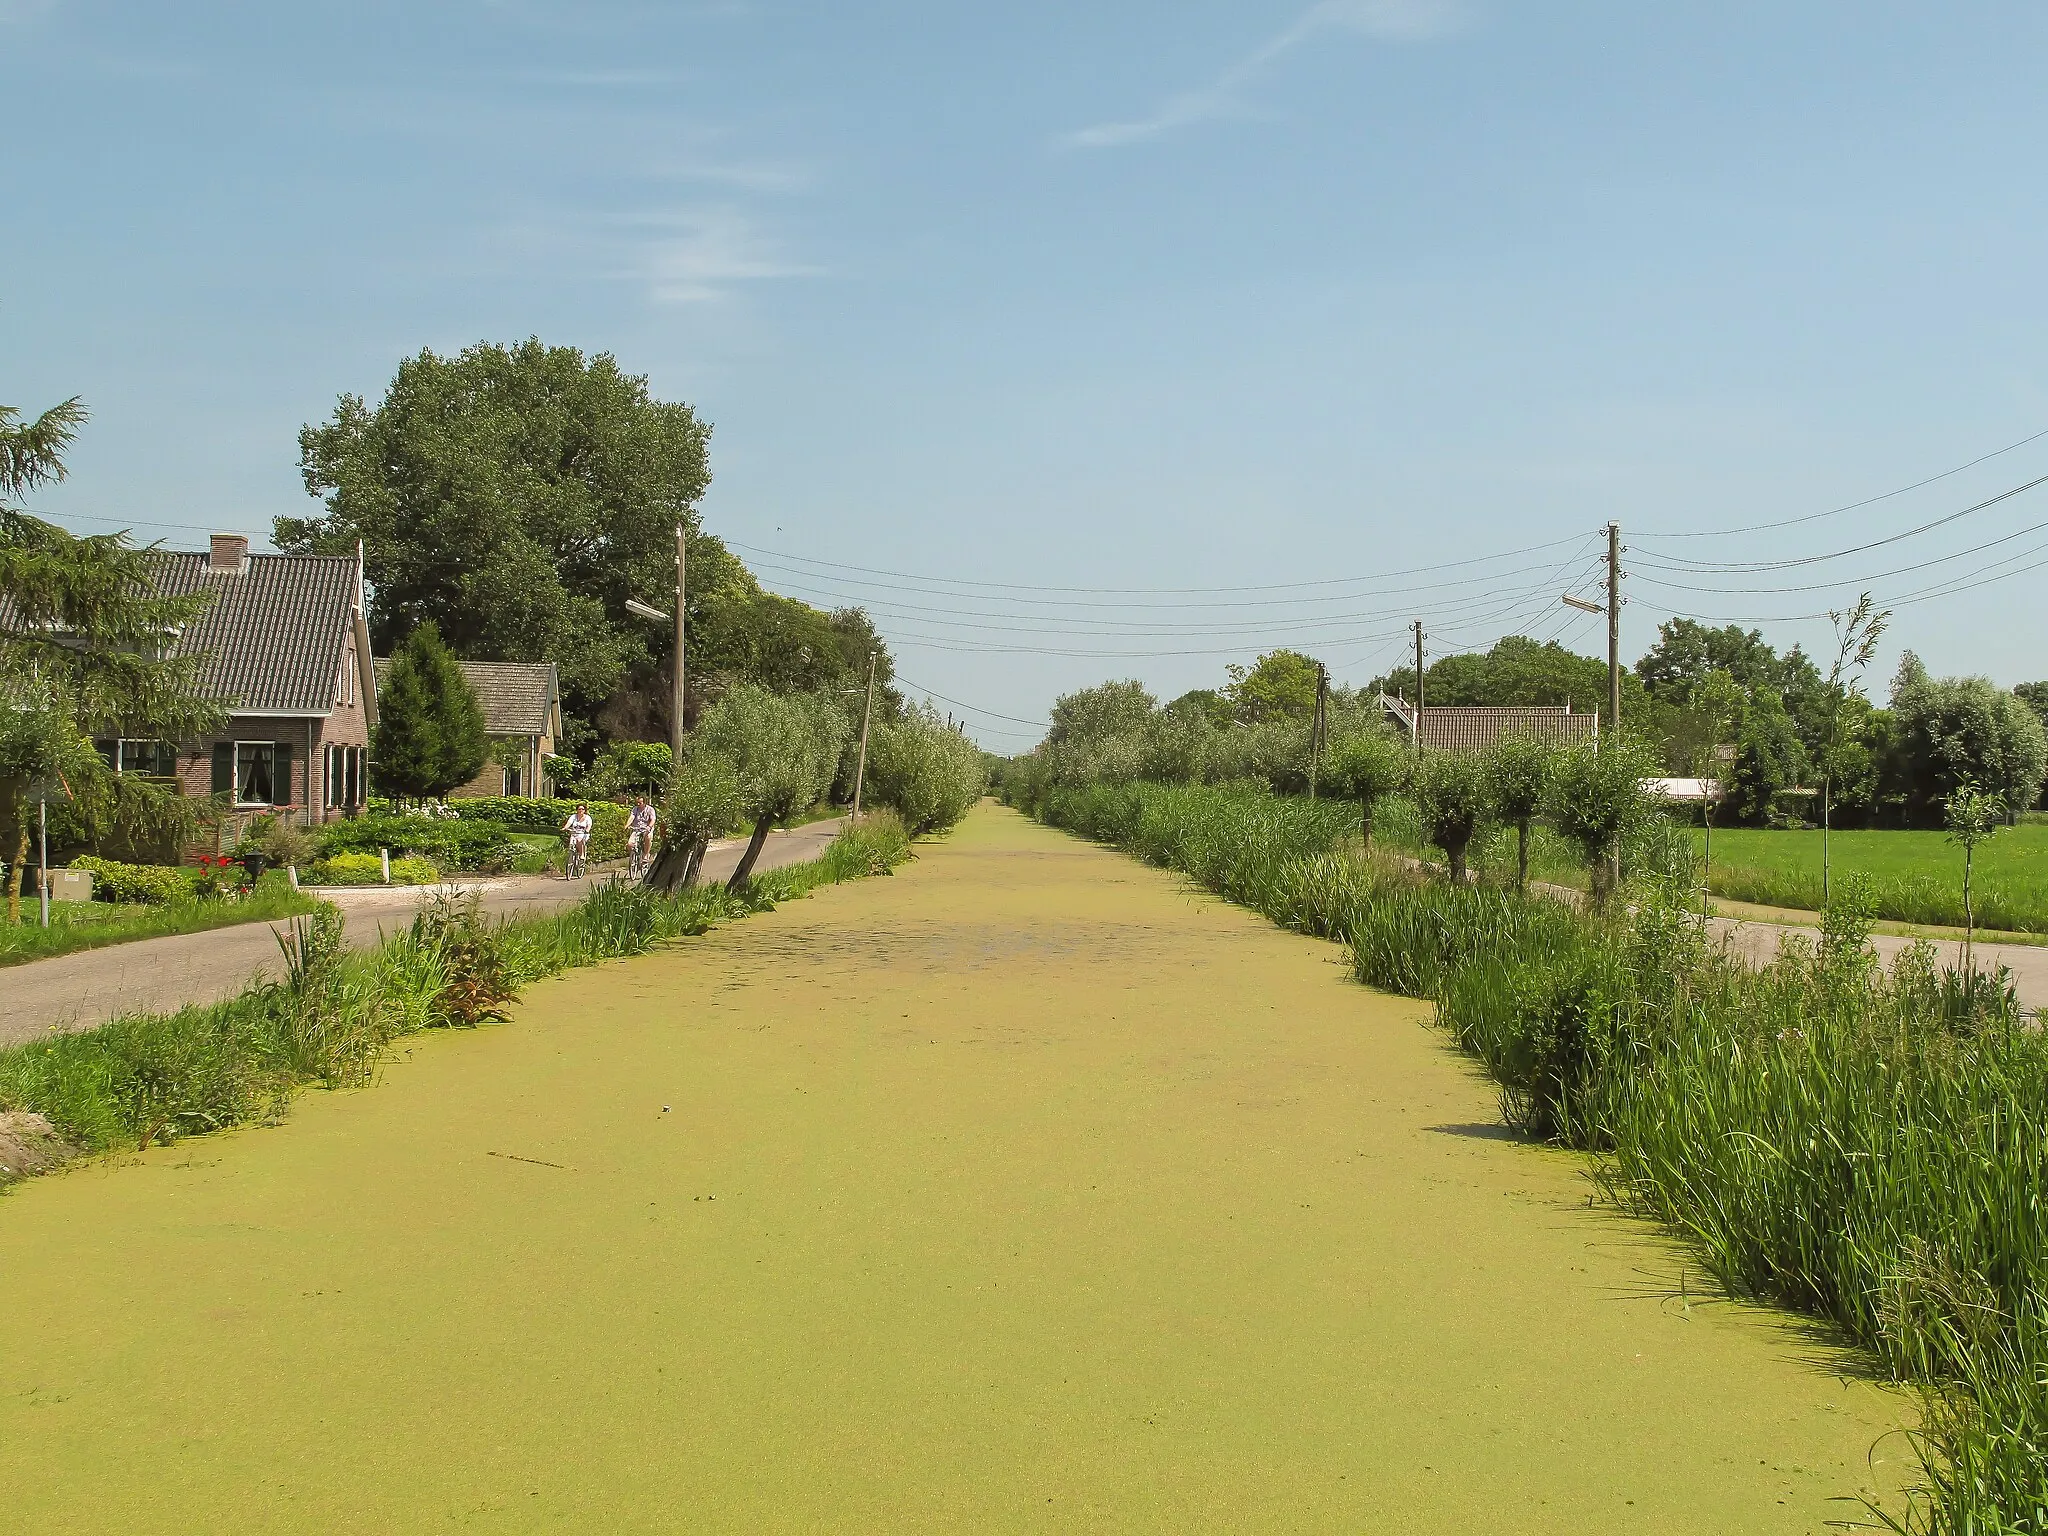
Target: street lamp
<point x="648" y="611"/>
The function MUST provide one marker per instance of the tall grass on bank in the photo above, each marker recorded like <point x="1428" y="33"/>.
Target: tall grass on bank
<point x="151" y="1078"/>
<point x="1869" y="1146"/>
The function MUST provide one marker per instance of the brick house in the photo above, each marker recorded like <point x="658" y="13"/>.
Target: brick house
<point x="287" y="652"/>
<point x="522" y="705"/>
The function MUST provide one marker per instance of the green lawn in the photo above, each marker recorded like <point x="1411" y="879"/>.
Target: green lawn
<point x="1916" y="877"/>
<point x="78" y="925"/>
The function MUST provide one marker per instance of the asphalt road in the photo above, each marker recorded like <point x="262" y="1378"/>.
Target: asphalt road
<point x="85" y="989"/>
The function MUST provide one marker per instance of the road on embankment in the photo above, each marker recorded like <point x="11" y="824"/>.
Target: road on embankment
<point x="1024" y="1191"/>
<point x="87" y="987"/>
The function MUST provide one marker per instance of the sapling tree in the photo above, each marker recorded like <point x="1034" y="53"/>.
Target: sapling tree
<point x="1973" y="817"/>
<point x="1367" y="768"/>
<point x="1450" y="796"/>
<point x="783" y="750"/>
<point x="1597" y="798"/>
<point x="1856" y="635"/>
<point x="1517" y="779"/>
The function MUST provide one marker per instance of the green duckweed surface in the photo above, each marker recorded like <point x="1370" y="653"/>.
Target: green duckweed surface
<point x="1025" y="1191"/>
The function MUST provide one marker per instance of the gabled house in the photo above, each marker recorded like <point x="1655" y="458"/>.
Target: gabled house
<point x="1466" y="728"/>
<point x="522" y="705"/>
<point x="287" y="652"/>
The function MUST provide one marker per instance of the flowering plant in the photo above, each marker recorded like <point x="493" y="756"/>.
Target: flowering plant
<point x="219" y="875"/>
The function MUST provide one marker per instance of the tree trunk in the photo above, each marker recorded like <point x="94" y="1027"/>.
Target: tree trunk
<point x="754" y="845"/>
<point x="1521" y="856"/>
<point x="1455" y="852"/>
<point x="1603" y="880"/>
<point x="1367" y="817"/>
<point x="675" y="869"/>
<point x="15" y="865"/>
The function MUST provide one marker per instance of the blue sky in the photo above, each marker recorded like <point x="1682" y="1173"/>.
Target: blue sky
<point x="1153" y="296"/>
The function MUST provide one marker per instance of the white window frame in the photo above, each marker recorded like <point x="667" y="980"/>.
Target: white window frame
<point x="236" y="779"/>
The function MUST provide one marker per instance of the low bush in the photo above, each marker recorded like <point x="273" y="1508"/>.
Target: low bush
<point x="451" y="843"/>
<point x="368" y="869"/>
<point x="153" y="884"/>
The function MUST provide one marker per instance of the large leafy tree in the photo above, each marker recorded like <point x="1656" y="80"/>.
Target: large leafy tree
<point x="83" y="652"/>
<point x="1949" y="732"/>
<point x="1280" y="685"/>
<point x="430" y="727"/>
<point x="515" y="497"/>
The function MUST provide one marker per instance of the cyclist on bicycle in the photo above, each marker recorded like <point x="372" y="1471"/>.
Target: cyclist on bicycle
<point x="639" y="835"/>
<point x="577" y="828"/>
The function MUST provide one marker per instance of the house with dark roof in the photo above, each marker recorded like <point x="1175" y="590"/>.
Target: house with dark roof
<point x="1466" y="728"/>
<point x="285" y="649"/>
<point x="522" y="705"/>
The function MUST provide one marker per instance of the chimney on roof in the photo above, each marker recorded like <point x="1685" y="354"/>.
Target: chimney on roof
<point x="229" y="555"/>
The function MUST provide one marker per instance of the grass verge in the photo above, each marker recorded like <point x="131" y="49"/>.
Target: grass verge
<point x="76" y="925"/>
<point x="1869" y="1147"/>
<point x="150" y="1078"/>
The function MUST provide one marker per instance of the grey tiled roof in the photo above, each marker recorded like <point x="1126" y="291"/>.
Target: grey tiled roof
<point x="1470" y="728"/>
<point x="274" y="633"/>
<point x="518" y="697"/>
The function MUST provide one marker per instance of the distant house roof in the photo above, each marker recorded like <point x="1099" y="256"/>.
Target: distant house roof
<point x="1470" y="728"/>
<point x="519" y="698"/>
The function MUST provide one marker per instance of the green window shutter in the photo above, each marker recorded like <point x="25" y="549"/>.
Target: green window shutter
<point x="223" y="766"/>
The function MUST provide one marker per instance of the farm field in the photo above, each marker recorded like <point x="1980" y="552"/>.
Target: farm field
<point x="1027" y="1190"/>
<point x="1915" y="877"/>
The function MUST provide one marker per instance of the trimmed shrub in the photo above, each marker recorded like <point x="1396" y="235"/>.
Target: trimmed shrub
<point x="368" y="869"/>
<point x="154" y="884"/>
<point x="449" y="842"/>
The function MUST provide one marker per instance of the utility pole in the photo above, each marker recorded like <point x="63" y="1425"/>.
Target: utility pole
<point x="860" y="767"/>
<point x="1614" y="627"/>
<point x="1317" y="726"/>
<point x="674" y="736"/>
<point x="1418" y="687"/>
<point x="43" y="837"/>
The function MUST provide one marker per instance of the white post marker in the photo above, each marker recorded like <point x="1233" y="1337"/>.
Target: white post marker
<point x="43" y="837"/>
<point x="385" y="855"/>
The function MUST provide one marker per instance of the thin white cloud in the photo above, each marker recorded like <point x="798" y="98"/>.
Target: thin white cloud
<point x="703" y="255"/>
<point x="1400" y="21"/>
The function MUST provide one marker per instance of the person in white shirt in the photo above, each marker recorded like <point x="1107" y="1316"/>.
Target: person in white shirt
<point x="640" y="833"/>
<point x="578" y="829"/>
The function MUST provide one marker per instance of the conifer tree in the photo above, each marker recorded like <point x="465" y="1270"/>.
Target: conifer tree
<point x="430" y="727"/>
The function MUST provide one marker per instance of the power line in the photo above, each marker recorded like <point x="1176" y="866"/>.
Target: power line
<point x="1706" y="567"/>
<point x="1814" y="517"/>
<point x="973" y="709"/>
<point x="1282" y="586"/>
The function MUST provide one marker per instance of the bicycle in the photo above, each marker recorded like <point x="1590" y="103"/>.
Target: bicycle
<point x="579" y="856"/>
<point x="636" y="855"/>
